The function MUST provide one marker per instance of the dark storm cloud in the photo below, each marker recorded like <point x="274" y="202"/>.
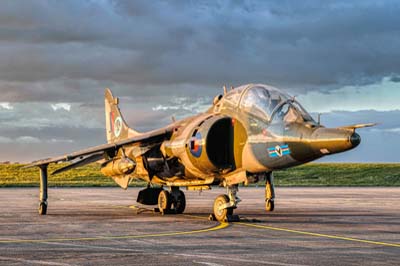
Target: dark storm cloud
<point x="160" y="46"/>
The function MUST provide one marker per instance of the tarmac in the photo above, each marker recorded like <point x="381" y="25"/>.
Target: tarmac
<point x="105" y="226"/>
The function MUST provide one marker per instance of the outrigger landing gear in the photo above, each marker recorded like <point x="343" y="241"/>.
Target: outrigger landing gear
<point x="269" y="192"/>
<point x="172" y="202"/>
<point x="43" y="190"/>
<point x="225" y="204"/>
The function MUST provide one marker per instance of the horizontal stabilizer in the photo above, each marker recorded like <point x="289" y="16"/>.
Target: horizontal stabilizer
<point x="87" y="160"/>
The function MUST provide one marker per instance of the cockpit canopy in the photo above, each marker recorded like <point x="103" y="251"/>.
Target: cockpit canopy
<point x="267" y="103"/>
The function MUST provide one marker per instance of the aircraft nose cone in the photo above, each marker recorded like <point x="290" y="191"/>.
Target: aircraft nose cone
<point x="355" y="139"/>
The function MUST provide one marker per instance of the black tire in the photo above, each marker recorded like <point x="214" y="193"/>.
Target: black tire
<point x="42" y="208"/>
<point x="164" y="201"/>
<point x="180" y="203"/>
<point x="269" y="205"/>
<point x="220" y="215"/>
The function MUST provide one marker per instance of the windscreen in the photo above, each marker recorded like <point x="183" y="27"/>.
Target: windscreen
<point x="289" y="112"/>
<point x="261" y="101"/>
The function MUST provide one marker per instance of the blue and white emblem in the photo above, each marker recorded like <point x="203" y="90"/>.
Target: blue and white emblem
<point x="279" y="151"/>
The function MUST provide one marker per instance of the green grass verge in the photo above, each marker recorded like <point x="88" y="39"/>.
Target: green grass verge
<point x="340" y="174"/>
<point x="314" y="174"/>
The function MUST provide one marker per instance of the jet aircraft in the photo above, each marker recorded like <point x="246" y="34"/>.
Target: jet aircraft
<point x="248" y="132"/>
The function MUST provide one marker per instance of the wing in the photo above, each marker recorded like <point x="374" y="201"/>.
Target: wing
<point x="97" y="153"/>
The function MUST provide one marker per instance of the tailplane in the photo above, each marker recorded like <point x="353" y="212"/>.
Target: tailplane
<point x="116" y="127"/>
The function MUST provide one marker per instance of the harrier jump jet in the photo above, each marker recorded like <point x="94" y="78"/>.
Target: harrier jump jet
<point x="246" y="134"/>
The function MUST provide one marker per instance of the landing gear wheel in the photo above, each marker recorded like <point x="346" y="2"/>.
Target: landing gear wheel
<point x="269" y="205"/>
<point x="221" y="214"/>
<point x="164" y="202"/>
<point x="180" y="202"/>
<point x="42" y="208"/>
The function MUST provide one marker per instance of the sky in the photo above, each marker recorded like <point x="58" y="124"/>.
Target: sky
<point x="170" y="58"/>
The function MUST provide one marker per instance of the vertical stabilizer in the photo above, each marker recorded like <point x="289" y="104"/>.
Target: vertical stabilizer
<point x="116" y="127"/>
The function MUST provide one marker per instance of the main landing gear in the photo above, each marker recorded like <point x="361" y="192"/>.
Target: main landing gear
<point x="225" y="204"/>
<point x="172" y="202"/>
<point x="269" y="192"/>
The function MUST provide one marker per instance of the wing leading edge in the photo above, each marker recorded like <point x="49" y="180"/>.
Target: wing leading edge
<point x="144" y="139"/>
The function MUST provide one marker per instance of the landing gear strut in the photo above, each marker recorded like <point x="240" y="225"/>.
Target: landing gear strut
<point x="224" y="204"/>
<point x="269" y="192"/>
<point x="172" y="202"/>
<point x="43" y="190"/>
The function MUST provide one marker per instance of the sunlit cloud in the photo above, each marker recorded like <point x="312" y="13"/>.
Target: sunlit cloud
<point x="61" y="106"/>
<point x="7" y="106"/>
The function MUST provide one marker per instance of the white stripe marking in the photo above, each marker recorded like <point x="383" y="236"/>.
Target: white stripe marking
<point x="40" y="262"/>
<point x="204" y="256"/>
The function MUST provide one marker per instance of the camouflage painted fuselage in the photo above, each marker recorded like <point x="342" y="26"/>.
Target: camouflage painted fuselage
<point x="249" y="131"/>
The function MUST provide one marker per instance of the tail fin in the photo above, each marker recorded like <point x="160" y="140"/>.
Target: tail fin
<point x="116" y="127"/>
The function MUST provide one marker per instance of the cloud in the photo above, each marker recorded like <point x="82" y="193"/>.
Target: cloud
<point x="61" y="50"/>
<point x="59" y="106"/>
<point x="383" y="95"/>
<point x="5" y="140"/>
<point x="395" y="79"/>
<point x="6" y="106"/>
<point x="394" y="130"/>
<point x="183" y="106"/>
<point x="38" y="115"/>
<point x="27" y="139"/>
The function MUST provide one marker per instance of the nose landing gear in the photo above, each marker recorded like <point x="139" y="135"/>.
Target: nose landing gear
<point x="225" y="204"/>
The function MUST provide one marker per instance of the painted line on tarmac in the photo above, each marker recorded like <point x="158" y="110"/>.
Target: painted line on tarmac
<point x="40" y="262"/>
<point x="199" y="231"/>
<point x="320" y="235"/>
<point x="243" y="260"/>
<point x="295" y="231"/>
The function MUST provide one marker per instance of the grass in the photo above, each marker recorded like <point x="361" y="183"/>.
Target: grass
<point x="314" y="174"/>
<point x="340" y="174"/>
<point x="13" y="175"/>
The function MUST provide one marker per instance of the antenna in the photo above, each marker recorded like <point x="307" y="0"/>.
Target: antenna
<point x="319" y="118"/>
<point x="225" y="90"/>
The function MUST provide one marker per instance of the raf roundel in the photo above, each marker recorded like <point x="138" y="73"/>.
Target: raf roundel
<point x="117" y="126"/>
<point x="196" y="145"/>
